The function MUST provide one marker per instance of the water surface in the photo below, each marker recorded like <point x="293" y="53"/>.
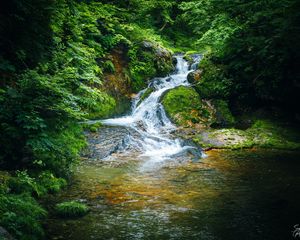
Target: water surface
<point x="248" y="194"/>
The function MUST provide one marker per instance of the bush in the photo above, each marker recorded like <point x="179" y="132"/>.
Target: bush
<point x="71" y="209"/>
<point x="21" y="215"/>
<point x="23" y="183"/>
<point x="51" y="183"/>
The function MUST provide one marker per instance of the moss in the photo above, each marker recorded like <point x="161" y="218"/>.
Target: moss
<point x="188" y="56"/>
<point x="262" y="134"/>
<point x="223" y="115"/>
<point x="145" y="94"/>
<point x="71" y="209"/>
<point x="213" y="84"/>
<point x="101" y="107"/>
<point x="184" y="107"/>
<point x="148" y="60"/>
<point x="92" y="127"/>
<point x="270" y="134"/>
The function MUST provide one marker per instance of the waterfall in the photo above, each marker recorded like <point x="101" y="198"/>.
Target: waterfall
<point x="150" y="128"/>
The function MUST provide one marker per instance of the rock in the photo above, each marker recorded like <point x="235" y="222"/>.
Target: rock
<point x="223" y="116"/>
<point x="194" y="77"/>
<point x="164" y="62"/>
<point x="147" y="44"/>
<point x="174" y="60"/>
<point x="185" y="108"/>
<point x="5" y="235"/>
<point x="110" y="140"/>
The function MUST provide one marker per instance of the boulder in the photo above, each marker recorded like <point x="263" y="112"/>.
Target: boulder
<point x="184" y="107"/>
<point x="194" y="77"/>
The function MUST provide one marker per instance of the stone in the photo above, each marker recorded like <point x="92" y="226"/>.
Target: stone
<point x="194" y="77"/>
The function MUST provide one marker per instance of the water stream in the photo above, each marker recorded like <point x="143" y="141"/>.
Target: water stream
<point x="140" y="183"/>
<point x="149" y="127"/>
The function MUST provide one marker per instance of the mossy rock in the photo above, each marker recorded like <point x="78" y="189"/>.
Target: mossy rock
<point x="223" y="115"/>
<point x="148" y="60"/>
<point x="146" y="94"/>
<point x="71" y="209"/>
<point x="262" y="134"/>
<point x="93" y="127"/>
<point x="184" y="107"/>
<point x="194" y="77"/>
<point x="188" y="56"/>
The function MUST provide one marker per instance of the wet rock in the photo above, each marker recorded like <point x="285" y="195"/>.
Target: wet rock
<point x="107" y="142"/>
<point x="194" y="77"/>
<point x="174" y="61"/>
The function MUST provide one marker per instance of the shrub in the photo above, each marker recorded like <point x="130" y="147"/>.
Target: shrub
<point x="21" y="215"/>
<point x="71" y="209"/>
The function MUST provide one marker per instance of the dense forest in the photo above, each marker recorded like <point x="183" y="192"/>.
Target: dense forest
<point x="58" y="59"/>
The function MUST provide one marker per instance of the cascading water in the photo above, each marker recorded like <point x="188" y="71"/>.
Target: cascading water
<point x="148" y="125"/>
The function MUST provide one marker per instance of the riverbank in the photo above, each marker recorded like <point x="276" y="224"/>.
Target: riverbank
<point x="262" y="133"/>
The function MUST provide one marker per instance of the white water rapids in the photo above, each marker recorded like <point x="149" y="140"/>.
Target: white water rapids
<point x="149" y="123"/>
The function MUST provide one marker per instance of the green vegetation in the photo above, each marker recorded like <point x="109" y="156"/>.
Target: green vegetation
<point x="251" y="50"/>
<point x="58" y="68"/>
<point x="223" y="115"/>
<point x="146" y="94"/>
<point x="93" y="127"/>
<point x="147" y="61"/>
<point x="184" y="107"/>
<point x="71" y="209"/>
<point x="21" y="215"/>
<point x="262" y="134"/>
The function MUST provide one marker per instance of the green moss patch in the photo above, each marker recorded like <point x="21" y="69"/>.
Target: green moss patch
<point x="92" y="127"/>
<point x="184" y="106"/>
<point x="223" y="115"/>
<point x="145" y="95"/>
<point x="262" y="133"/>
<point x="71" y="209"/>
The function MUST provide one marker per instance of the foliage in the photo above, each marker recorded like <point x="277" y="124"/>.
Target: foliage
<point x="21" y="215"/>
<point x="252" y="49"/>
<point x="45" y="182"/>
<point x="71" y="209"/>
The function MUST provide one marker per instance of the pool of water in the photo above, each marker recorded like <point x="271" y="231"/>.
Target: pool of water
<point x="248" y="194"/>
